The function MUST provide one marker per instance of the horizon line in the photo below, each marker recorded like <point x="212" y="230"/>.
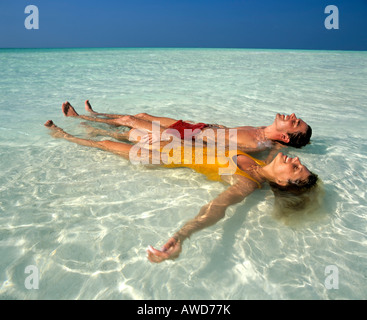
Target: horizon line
<point x="178" y="47"/>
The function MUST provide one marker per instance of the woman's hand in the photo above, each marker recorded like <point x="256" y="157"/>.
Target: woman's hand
<point x="154" y="137"/>
<point x="171" y="250"/>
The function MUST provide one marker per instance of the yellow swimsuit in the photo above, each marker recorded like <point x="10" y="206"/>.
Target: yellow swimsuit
<point x="209" y="162"/>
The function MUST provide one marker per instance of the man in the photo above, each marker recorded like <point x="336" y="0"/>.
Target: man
<point x="286" y="129"/>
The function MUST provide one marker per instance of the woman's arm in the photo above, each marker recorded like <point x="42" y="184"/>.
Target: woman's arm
<point x="209" y="214"/>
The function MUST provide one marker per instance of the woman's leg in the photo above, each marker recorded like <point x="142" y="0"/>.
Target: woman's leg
<point x="141" y="152"/>
<point x="122" y="136"/>
<point x="96" y="132"/>
<point x="119" y="148"/>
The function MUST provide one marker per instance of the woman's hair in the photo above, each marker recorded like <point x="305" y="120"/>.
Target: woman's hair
<point x="296" y="187"/>
<point x="298" y="198"/>
<point x="299" y="139"/>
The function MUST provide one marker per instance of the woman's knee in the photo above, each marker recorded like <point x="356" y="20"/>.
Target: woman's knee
<point x="105" y="144"/>
<point x="114" y="146"/>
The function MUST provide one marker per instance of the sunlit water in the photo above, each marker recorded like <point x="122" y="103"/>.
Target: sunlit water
<point x="85" y="217"/>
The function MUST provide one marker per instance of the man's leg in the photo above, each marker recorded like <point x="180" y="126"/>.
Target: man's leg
<point x="89" y="108"/>
<point x="127" y="121"/>
<point x="164" y="121"/>
<point x="69" y="111"/>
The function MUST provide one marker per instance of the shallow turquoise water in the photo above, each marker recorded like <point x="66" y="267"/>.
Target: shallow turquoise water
<point x="84" y="217"/>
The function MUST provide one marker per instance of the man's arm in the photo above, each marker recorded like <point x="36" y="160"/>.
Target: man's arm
<point x="241" y="138"/>
<point x="209" y="214"/>
<point x="273" y="152"/>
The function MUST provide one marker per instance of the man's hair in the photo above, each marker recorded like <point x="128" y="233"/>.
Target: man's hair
<point x="299" y="139"/>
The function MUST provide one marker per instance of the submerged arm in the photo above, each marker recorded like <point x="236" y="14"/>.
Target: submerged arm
<point x="209" y="214"/>
<point x="273" y="152"/>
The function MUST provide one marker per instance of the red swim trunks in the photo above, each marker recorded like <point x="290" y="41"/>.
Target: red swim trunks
<point x="180" y="126"/>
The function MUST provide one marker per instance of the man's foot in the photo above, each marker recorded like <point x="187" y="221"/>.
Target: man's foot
<point x="56" y="132"/>
<point x="88" y="107"/>
<point x="68" y="110"/>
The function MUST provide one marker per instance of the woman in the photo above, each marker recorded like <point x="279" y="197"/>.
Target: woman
<point x="282" y="173"/>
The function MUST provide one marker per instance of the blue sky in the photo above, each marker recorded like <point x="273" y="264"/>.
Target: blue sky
<point x="280" y="24"/>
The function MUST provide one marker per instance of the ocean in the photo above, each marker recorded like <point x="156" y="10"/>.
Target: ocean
<point x="75" y="222"/>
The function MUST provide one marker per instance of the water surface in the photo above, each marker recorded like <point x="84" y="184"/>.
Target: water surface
<point x="85" y="217"/>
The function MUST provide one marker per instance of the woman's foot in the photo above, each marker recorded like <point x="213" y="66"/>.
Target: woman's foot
<point x="68" y="110"/>
<point x="56" y="132"/>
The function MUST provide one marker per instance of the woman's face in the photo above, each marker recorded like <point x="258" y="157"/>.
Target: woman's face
<point x="285" y="168"/>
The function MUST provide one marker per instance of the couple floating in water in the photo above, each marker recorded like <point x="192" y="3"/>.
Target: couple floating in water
<point x="196" y="145"/>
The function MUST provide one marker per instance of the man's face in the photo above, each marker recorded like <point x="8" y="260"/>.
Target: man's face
<point x="290" y="124"/>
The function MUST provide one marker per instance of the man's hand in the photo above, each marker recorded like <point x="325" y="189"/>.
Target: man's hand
<point x="171" y="250"/>
<point x="277" y="146"/>
<point x="274" y="151"/>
